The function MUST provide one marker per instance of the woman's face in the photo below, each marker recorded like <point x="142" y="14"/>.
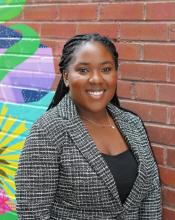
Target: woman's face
<point x="91" y="77"/>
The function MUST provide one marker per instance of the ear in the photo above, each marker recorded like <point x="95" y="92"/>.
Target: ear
<point x="65" y="77"/>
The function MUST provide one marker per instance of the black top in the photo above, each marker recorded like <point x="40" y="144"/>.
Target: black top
<point x="123" y="167"/>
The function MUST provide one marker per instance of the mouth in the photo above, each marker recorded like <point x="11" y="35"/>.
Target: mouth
<point x="96" y="93"/>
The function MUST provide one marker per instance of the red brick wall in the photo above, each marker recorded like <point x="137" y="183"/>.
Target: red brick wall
<point x="144" y="32"/>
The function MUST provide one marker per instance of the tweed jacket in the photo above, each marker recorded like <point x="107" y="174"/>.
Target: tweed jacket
<point x="62" y="175"/>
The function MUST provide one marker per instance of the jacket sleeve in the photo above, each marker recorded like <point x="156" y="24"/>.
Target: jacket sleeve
<point x="151" y="207"/>
<point x="37" y="176"/>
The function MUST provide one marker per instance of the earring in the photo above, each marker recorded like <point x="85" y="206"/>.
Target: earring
<point x="66" y="83"/>
<point x="65" y="78"/>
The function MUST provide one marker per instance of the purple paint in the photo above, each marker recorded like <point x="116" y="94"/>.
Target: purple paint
<point x="37" y="72"/>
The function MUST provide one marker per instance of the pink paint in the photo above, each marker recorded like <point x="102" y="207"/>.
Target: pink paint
<point x="4" y="207"/>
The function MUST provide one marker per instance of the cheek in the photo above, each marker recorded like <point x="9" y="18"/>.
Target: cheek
<point x="113" y="82"/>
<point x="75" y="79"/>
<point x="76" y="84"/>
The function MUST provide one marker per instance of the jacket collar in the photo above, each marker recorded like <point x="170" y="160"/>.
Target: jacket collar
<point x="67" y="110"/>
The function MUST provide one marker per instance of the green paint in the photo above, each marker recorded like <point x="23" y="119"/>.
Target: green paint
<point x="20" y="51"/>
<point x="23" y="49"/>
<point x="9" y="216"/>
<point x="10" y="9"/>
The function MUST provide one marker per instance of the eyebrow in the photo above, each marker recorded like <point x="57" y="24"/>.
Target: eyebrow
<point x="107" y="62"/>
<point x="86" y="64"/>
<point x="83" y="63"/>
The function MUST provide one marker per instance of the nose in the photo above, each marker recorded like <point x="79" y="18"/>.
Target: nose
<point x="96" y="77"/>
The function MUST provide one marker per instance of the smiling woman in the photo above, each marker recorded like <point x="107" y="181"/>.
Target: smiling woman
<point x="86" y="157"/>
<point x="92" y="79"/>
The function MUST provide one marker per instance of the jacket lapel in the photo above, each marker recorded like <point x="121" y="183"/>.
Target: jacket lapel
<point x="132" y="137"/>
<point x="83" y="141"/>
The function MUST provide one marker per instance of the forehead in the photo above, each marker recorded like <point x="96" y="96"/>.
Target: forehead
<point x="91" y="52"/>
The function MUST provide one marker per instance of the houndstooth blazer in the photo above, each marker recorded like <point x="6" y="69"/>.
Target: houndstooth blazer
<point x="62" y="174"/>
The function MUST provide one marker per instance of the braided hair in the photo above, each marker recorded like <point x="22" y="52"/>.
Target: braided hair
<point x="67" y="54"/>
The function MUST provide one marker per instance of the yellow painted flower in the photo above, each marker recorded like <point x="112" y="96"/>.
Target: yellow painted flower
<point x="11" y="143"/>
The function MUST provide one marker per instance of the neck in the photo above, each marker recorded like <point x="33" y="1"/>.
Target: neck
<point x="99" y="116"/>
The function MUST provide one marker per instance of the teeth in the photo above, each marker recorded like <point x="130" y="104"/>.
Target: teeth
<point x="96" y="92"/>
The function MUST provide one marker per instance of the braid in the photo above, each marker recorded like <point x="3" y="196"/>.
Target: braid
<point x="67" y="54"/>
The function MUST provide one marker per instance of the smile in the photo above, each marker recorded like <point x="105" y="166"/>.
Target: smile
<point x="96" y="94"/>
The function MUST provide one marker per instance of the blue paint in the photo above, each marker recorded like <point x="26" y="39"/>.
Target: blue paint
<point x="32" y="96"/>
<point x="9" y="37"/>
<point x="29" y="112"/>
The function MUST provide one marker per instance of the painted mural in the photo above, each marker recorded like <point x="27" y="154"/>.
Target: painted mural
<point x="26" y="76"/>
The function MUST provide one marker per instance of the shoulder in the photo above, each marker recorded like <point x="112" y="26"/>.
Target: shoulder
<point x="50" y="119"/>
<point x="130" y="117"/>
<point x="133" y="121"/>
<point x="139" y="129"/>
<point x="49" y="125"/>
<point x="126" y="117"/>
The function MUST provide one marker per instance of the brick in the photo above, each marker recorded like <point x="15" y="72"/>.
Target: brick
<point x="172" y="32"/>
<point x="122" y="11"/>
<point x="168" y="214"/>
<point x="171" y="157"/>
<point x="167" y="93"/>
<point x="167" y="176"/>
<point x="172" y="73"/>
<point x="143" y="71"/>
<point x="148" y="112"/>
<point x="41" y="13"/>
<point x="129" y="51"/>
<point x="56" y="45"/>
<point x="60" y="46"/>
<point x="57" y="30"/>
<point x="78" y="12"/>
<point x="124" y="89"/>
<point x="56" y="65"/>
<point x="159" y="52"/>
<point x="169" y="197"/>
<point x="160" y="11"/>
<point x="171" y="115"/>
<point x="161" y="134"/>
<point x="48" y="1"/>
<point x="109" y="30"/>
<point x="145" y="91"/>
<point x="156" y="32"/>
<point x="158" y="153"/>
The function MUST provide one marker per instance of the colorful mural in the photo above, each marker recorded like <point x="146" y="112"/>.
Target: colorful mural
<point x="11" y="142"/>
<point x="32" y="78"/>
<point x="26" y="76"/>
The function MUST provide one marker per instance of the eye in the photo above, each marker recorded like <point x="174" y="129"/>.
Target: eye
<point x="106" y="69"/>
<point x="83" y="70"/>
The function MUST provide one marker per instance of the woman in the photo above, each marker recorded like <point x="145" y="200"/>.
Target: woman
<point x="87" y="158"/>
